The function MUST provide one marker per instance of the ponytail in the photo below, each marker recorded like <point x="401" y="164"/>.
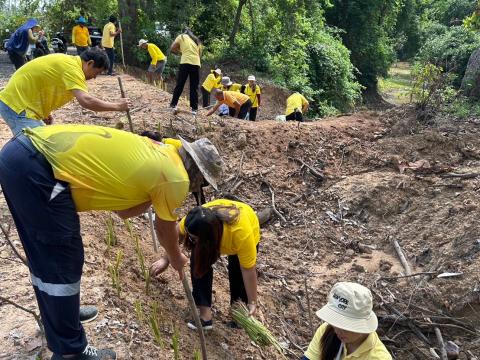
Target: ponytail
<point x="330" y="344"/>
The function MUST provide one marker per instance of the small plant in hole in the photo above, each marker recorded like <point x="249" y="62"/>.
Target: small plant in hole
<point x="111" y="237"/>
<point x="197" y="355"/>
<point x="155" y="324"/>
<point x="115" y="273"/>
<point x="139" y="311"/>
<point x="176" y="342"/>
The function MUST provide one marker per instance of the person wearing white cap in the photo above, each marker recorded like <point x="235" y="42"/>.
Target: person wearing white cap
<point x="254" y="92"/>
<point x="212" y="81"/>
<point x="157" y="65"/>
<point x="349" y="331"/>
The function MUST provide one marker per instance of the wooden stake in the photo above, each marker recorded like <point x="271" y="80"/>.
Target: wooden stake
<point x="121" y="44"/>
<point x="310" y="323"/>
<point x="401" y="256"/>
<point x="152" y="229"/>
<point x="128" y="110"/>
<point x="193" y="307"/>
<point x="441" y="344"/>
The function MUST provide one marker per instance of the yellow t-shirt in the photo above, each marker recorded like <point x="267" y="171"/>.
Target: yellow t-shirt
<point x="295" y="101"/>
<point x="231" y="96"/>
<point x="110" y="169"/>
<point x="253" y="94"/>
<point x="177" y="144"/>
<point x="233" y="87"/>
<point x="81" y="36"/>
<point x="211" y="82"/>
<point x="371" y="349"/>
<point x="155" y="53"/>
<point x="189" y="49"/>
<point x="107" y="39"/>
<point x="240" y="238"/>
<point x="44" y="84"/>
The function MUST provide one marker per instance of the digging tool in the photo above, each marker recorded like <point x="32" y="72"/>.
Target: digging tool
<point x="152" y="229"/>
<point x="128" y="110"/>
<point x="121" y="44"/>
<point x="198" y="323"/>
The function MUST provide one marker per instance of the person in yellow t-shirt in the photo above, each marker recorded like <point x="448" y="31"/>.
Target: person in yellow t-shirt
<point x="297" y="105"/>
<point x="157" y="65"/>
<point x="81" y="36"/>
<point x="254" y="92"/>
<point x="50" y="173"/>
<point x="49" y="82"/>
<point x="108" y="39"/>
<point x="189" y="47"/>
<point x="212" y="81"/>
<point x="229" y="85"/>
<point x="239" y="104"/>
<point x="220" y="227"/>
<point x="349" y="329"/>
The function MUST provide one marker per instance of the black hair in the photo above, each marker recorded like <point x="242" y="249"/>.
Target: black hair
<point x="154" y="135"/>
<point x="207" y="225"/>
<point x="192" y="36"/>
<point x="112" y="19"/>
<point x="330" y="343"/>
<point x="99" y="57"/>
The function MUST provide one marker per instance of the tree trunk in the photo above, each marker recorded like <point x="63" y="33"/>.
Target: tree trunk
<point x="128" y="16"/>
<point x="471" y="79"/>
<point x="236" y="23"/>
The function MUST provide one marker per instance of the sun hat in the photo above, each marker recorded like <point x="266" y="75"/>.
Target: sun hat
<point x="218" y="71"/>
<point x="81" y="20"/>
<point x="251" y="78"/>
<point x="206" y="157"/>
<point x="141" y="42"/>
<point x="349" y="308"/>
<point x="226" y="81"/>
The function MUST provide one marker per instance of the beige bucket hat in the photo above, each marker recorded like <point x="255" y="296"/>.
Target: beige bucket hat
<point x="349" y="308"/>
<point x="226" y="81"/>
<point x="207" y="158"/>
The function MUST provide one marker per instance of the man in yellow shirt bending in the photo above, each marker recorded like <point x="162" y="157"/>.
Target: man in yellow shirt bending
<point x="157" y="65"/>
<point x="50" y="173"/>
<point x="239" y="104"/>
<point x="297" y="105"/>
<point x="81" y="36"/>
<point x="49" y="82"/>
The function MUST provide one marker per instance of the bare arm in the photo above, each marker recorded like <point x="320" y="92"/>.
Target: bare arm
<point x="259" y="100"/>
<point x="31" y="38"/>
<point x="133" y="211"/>
<point x="237" y="107"/>
<point x="250" y="282"/>
<point x="305" y="107"/>
<point x="94" y="104"/>
<point x="167" y="233"/>
<point x="175" y="48"/>
<point x="217" y="105"/>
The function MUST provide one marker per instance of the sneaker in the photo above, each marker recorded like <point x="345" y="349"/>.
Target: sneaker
<point x="194" y="112"/>
<point x="88" y="313"/>
<point x="207" y="325"/>
<point x="174" y="110"/>
<point x="90" y="353"/>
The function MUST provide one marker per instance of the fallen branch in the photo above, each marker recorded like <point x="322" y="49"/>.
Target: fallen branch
<point x="310" y="323"/>
<point x="6" y="234"/>
<point x="460" y="176"/>
<point x="31" y="312"/>
<point x="312" y="171"/>
<point x="411" y="275"/>
<point x="401" y="256"/>
<point x="441" y="344"/>
<point x="273" y="201"/>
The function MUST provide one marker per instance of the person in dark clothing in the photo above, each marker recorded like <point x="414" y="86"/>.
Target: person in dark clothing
<point x="20" y="40"/>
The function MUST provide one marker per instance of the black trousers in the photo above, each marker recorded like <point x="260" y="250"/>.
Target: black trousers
<point x="186" y="71"/>
<point x="202" y="287"/>
<point x="253" y="114"/>
<point x="205" y="97"/>
<point x="17" y="60"/>
<point x="296" y="115"/>
<point x="111" y="57"/>
<point x="244" y="110"/>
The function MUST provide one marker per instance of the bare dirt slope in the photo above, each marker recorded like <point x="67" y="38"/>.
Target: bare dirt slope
<point x="337" y="183"/>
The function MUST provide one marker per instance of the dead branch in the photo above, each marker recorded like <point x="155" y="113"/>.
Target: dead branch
<point x="312" y="171"/>
<point x="273" y="201"/>
<point x="441" y="344"/>
<point x="6" y="234"/>
<point x="401" y="256"/>
<point x="460" y="176"/>
<point x="310" y="323"/>
<point x="31" y="312"/>
<point x="407" y="276"/>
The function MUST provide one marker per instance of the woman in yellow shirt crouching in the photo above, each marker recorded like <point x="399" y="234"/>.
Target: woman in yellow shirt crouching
<point x="349" y="331"/>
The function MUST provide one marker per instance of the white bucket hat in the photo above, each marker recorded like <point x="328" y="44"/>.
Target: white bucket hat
<point x="226" y="81"/>
<point x="206" y="157"/>
<point x="251" y="78"/>
<point x="142" y="41"/>
<point x="218" y="71"/>
<point x="349" y="308"/>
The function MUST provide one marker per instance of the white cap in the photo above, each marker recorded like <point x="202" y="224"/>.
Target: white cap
<point x="226" y="81"/>
<point x="142" y="41"/>
<point x="251" y="78"/>
<point x="349" y="308"/>
<point x="218" y="71"/>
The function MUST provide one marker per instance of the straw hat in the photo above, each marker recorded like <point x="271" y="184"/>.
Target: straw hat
<point x="206" y="157"/>
<point x="226" y="81"/>
<point x="349" y="308"/>
<point x="141" y="42"/>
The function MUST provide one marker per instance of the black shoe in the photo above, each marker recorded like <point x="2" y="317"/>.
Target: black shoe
<point x="90" y="353"/>
<point x="88" y="313"/>
<point x="207" y="325"/>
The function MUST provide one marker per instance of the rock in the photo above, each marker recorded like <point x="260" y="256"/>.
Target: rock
<point x="241" y="140"/>
<point x="349" y="252"/>
<point x="358" y="268"/>
<point x="471" y="80"/>
<point x="385" y="265"/>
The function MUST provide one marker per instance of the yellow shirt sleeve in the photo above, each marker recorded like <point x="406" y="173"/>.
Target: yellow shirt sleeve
<point x="314" y="350"/>
<point x="73" y="34"/>
<point x="168" y="197"/>
<point x="247" y="254"/>
<point x="181" y="226"/>
<point x="174" y="142"/>
<point x="210" y="83"/>
<point x="74" y="79"/>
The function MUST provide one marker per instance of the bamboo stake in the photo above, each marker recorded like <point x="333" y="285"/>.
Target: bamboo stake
<point x="152" y="229"/>
<point x="121" y="43"/>
<point x="128" y="110"/>
<point x="401" y="256"/>
<point x="193" y="307"/>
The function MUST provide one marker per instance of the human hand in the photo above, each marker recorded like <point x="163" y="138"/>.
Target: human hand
<point x="178" y="262"/>
<point x="48" y="120"/>
<point x="159" y="266"/>
<point x="124" y="104"/>
<point x="252" y="308"/>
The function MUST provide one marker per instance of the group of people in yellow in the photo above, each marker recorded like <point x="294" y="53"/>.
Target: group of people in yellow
<point x="50" y="173"/>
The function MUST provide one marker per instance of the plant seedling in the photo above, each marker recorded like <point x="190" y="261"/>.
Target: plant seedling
<point x="139" y="311"/>
<point x="115" y="273"/>
<point x="111" y="237"/>
<point x="176" y="343"/>
<point x="155" y="325"/>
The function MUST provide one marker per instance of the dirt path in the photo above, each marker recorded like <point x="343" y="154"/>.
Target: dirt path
<point x="337" y="229"/>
